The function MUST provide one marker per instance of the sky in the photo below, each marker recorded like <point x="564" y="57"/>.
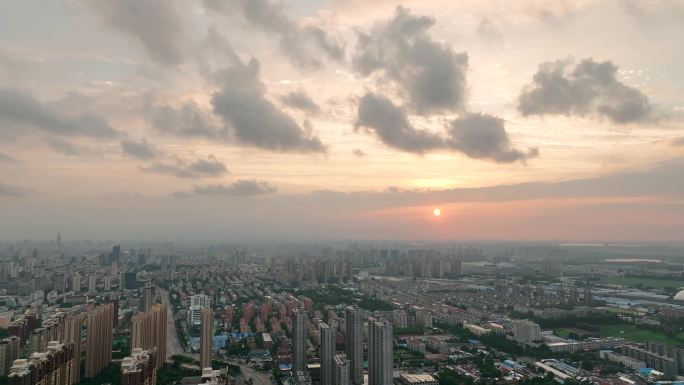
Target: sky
<point x="231" y="120"/>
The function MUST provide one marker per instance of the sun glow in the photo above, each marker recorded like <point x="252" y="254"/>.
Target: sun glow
<point x="437" y="212"/>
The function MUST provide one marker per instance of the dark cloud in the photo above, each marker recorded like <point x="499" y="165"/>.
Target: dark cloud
<point x="253" y="119"/>
<point x="390" y="124"/>
<point x="478" y="136"/>
<point x="7" y="190"/>
<point x="19" y="110"/>
<point x="67" y="148"/>
<point x="483" y="136"/>
<point x="210" y="167"/>
<point x="140" y="150"/>
<point x="359" y="152"/>
<point x="301" y="101"/>
<point x="679" y="142"/>
<point x="241" y="188"/>
<point x="429" y="75"/>
<point x="302" y="45"/>
<point x="6" y="158"/>
<point x="188" y="120"/>
<point x="155" y="23"/>
<point x="587" y="88"/>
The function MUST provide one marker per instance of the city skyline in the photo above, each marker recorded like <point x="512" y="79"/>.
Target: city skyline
<point x="342" y="119"/>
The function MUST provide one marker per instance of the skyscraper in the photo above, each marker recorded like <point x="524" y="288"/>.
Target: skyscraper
<point x="207" y="337"/>
<point x="341" y="372"/>
<point x="355" y="345"/>
<point x="99" y="339"/>
<point x="72" y="334"/>
<point x="149" y="332"/>
<point x="327" y="354"/>
<point x="380" y="346"/>
<point x="148" y="298"/>
<point x="299" y="332"/>
<point x="9" y="351"/>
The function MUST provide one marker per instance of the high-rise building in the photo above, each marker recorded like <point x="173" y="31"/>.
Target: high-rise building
<point x="116" y="254"/>
<point x="299" y="335"/>
<point x="526" y="332"/>
<point x="341" y="372"/>
<point x="327" y="354"/>
<point x="147" y="298"/>
<point x="54" y="366"/>
<point x="380" y="346"/>
<point x="9" y="351"/>
<point x="139" y="368"/>
<point x="355" y="344"/>
<point x="99" y="339"/>
<point x="207" y="338"/>
<point x="59" y="240"/>
<point x="399" y="319"/>
<point x="72" y="334"/>
<point x="149" y="332"/>
<point x="76" y="283"/>
<point x="59" y="283"/>
<point x="92" y="283"/>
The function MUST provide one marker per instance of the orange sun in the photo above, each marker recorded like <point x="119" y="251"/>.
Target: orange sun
<point x="437" y="212"/>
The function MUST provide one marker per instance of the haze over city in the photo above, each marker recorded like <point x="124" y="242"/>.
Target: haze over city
<point x="342" y="119"/>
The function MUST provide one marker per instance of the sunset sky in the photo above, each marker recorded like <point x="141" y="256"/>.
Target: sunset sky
<point x="235" y="120"/>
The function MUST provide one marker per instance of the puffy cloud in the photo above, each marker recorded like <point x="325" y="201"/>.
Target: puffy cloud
<point x="210" y="167"/>
<point x="67" y="148"/>
<point x="427" y="73"/>
<point x="301" y="101"/>
<point x="19" y="110"/>
<point x="253" y="119"/>
<point x="140" y="150"/>
<point x="483" y="136"/>
<point x="359" y="152"/>
<point x="477" y="136"/>
<point x="155" y="23"/>
<point x="587" y="88"/>
<point x="302" y="45"/>
<point x="7" y="190"/>
<point x="187" y="120"/>
<point x="240" y="188"/>
<point x="390" y="124"/>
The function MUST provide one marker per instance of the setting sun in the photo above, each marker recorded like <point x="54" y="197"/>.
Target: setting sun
<point x="437" y="212"/>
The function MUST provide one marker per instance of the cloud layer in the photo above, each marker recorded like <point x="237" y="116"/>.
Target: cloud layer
<point x="240" y="188"/>
<point x="210" y="167"/>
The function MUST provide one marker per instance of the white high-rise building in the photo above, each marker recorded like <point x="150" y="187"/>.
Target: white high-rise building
<point x="201" y="300"/>
<point x="400" y="319"/>
<point x="327" y="354"/>
<point x="341" y="373"/>
<point x="355" y="345"/>
<point x="299" y="332"/>
<point x="526" y="332"/>
<point x="380" y="350"/>
<point x="76" y="283"/>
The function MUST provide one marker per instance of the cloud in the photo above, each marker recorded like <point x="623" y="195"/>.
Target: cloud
<point x="19" y="110"/>
<point x="140" y="150"/>
<point x="390" y="124"/>
<point x="210" y="167"/>
<point x="359" y="152"/>
<point x="478" y="136"/>
<point x="303" y="46"/>
<point x="155" y="23"/>
<point x="585" y="89"/>
<point x="679" y="142"/>
<point x="240" y="188"/>
<point x="187" y="120"/>
<point x="482" y="136"/>
<point x="13" y="191"/>
<point x="67" y="148"/>
<point x="253" y="119"/>
<point x="6" y="158"/>
<point x="429" y="75"/>
<point x="301" y="101"/>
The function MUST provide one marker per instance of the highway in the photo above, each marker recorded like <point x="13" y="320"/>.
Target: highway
<point x="173" y="345"/>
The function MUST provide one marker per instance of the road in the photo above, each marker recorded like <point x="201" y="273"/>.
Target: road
<point x="259" y="378"/>
<point x="173" y="345"/>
